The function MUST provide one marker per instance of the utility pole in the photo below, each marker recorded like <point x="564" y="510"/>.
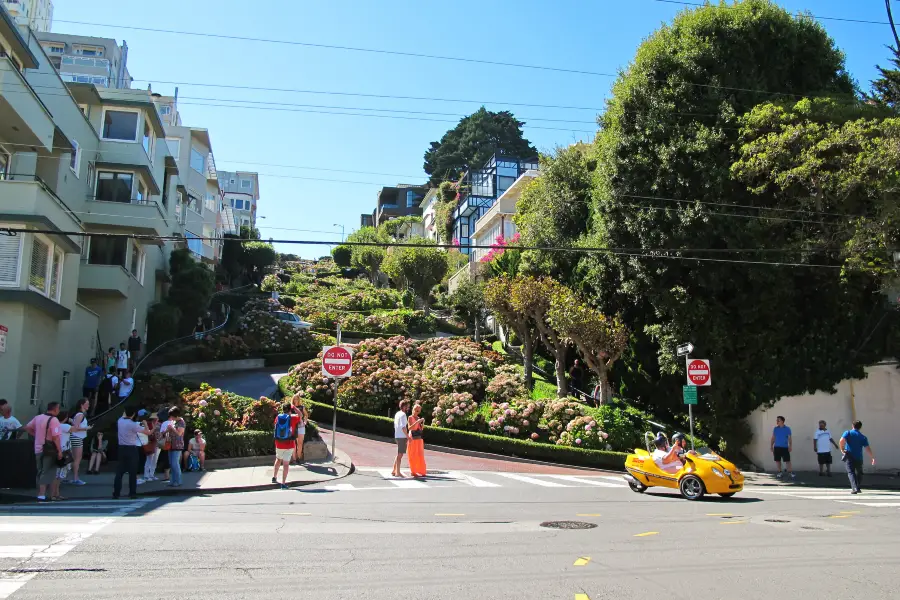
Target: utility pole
<point x="342" y="231"/>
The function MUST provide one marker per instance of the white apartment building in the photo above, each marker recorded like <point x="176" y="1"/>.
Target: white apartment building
<point x="429" y="205"/>
<point x="36" y="14"/>
<point x="87" y="59"/>
<point x="240" y="194"/>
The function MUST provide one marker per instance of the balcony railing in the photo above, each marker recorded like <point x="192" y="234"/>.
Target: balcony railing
<point x="86" y="61"/>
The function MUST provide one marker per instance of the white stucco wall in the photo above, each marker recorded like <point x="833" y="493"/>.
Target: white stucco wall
<point x="874" y="400"/>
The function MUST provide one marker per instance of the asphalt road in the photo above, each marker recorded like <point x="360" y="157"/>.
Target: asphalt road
<point x="458" y="534"/>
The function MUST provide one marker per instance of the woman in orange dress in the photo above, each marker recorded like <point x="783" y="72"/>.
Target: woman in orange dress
<point x="416" y="449"/>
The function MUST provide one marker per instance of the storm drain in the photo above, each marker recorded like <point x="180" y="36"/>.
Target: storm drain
<point x="568" y="525"/>
<point x="776" y="521"/>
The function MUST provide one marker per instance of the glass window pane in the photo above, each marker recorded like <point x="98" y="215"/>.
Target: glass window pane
<point x="197" y="161"/>
<point x="114" y="187"/>
<point x="119" y="125"/>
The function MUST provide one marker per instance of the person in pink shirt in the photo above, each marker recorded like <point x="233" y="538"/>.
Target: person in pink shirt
<point x="45" y="429"/>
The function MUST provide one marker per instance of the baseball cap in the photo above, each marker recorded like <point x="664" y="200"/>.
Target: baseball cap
<point x="142" y="413"/>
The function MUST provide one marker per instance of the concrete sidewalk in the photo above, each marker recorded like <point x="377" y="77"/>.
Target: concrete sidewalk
<point x="871" y="481"/>
<point x="221" y="476"/>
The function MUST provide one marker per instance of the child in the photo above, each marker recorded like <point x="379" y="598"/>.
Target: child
<point x="98" y="453"/>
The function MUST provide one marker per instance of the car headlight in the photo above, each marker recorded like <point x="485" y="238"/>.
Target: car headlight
<point x="727" y="472"/>
<point x="717" y="472"/>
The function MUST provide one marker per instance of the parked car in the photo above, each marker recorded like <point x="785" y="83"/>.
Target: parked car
<point x="292" y="319"/>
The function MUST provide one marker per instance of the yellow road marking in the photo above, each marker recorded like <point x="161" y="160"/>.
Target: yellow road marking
<point x="449" y="514"/>
<point x="583" y="560"/>
<point x="719" y="515"/>
<point x="646" y="533"/>
<point x="581" y="597"/>
<point x="849" y="512"/>
<point x="588" y="515"/>
<point x="838" y="516"/>
<point x="732" y="522"/>
<point x="297" y="514"/>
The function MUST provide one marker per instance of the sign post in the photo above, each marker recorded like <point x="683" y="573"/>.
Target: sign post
<point x="698" y="375"/>
<point x="337" y="363"/>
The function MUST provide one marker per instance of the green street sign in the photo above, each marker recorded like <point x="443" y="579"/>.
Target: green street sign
<point x="690" y="394"/>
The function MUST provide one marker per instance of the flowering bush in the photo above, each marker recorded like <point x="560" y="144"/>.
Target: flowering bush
<point x="456" y="365"/>
<point x="583" y="432"/>
<point x="516" y="419"/>
<point x="558" y="413"/>
<point x="263" y="332"/>
<point x="454" y="410"/>
<point x="507" y="385"/>
<point x="260" y="415"/>
<point x="210" y="410"/>
<point x="271" y="283"/>
<point x="224" y="347"/>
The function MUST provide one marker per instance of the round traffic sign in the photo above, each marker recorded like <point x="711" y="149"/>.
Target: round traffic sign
<point x="698" y="372"/>
<point x="337" y="362"/>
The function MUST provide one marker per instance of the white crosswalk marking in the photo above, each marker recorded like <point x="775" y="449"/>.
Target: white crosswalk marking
<point x="401" y="483"/>
<point x="582" y="480"/>
<point x="873" y="504"/>
<point x="473" y="481"/>
<point x="52" y="518"/>
<point x="532" y="480"/>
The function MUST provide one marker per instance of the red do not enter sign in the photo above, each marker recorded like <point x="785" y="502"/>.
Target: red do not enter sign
<point x="698" y="372"/>
<point x="337" y="361"/>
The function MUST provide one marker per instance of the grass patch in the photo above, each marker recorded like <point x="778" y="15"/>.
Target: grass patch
<point x="498" y="347"/>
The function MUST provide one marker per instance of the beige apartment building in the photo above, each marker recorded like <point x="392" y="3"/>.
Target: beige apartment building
<point x="37" y="14"/>
<point x="74" y="158"/>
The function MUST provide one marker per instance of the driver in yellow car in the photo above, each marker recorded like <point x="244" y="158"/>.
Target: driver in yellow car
<point x="666" y="458"/>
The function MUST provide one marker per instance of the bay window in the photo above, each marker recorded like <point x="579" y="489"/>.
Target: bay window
<point x="108" y="250"/>
<point x="46" y="268"/>
<point x="120" y="125"/>
<point x="114" y="187"/>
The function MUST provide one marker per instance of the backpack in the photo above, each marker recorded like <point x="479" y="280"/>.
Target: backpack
<point x="283" y="430"/>
<point x="106" y="386"/>
<point x="193" y="463"/>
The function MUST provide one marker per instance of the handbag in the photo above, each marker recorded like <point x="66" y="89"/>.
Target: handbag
<point x="49" y="447"/>
<point x="67" y="459"/>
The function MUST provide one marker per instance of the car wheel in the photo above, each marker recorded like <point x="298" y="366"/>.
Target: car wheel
<point x="728" y="495"/>
<point x="691" y="487"/>
<point x="637" y="486"/>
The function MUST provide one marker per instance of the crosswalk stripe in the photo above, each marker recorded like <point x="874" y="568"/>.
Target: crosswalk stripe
<point x="66" y="507"/>
<point x="401" y="483"/>
<point x="874" y="504"/>
<point x="63" y="525"/>
<point x="575" y="479"/>
<point x="843" y="497"/>
<point x="473" y="481"/>
<point x="531" y="480"/>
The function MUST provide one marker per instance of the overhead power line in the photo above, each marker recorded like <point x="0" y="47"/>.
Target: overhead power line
<point x="635" y="253"/>
<point x="726" y="6"/>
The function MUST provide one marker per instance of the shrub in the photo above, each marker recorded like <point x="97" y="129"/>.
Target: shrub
<point x="260" y="415"/>
<point x="288" y="302"/>
<point x="454" y="410"/>
<point x="507" y="385"/>
<point x="223" y="347"/>
<point x="516" y="419"/>
<point x="235" y="444"/>
<point x="583" y="432"/>
<point x="271" y="283"/>
<point x="210" y="410"/>
<point x="557" y="415"/>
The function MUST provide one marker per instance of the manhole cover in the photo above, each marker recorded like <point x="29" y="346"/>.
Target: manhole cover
<point x="776" y="521"/>
<point x="813" y="528"/>
<point x="568" y="525"/>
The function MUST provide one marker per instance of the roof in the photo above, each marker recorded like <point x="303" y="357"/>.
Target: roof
<point x="88" y="93"/>
<point x="10" y="30"/>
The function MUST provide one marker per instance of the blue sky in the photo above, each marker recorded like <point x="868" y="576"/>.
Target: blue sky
<point x="593" y="35"/>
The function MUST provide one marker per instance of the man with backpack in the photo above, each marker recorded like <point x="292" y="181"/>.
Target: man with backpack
<point x="285" y="439"/>
<point x="109" y="391"/>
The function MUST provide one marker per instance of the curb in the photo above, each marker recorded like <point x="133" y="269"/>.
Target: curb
<point x="15" y="498"/>
<point x="477" y="454"/>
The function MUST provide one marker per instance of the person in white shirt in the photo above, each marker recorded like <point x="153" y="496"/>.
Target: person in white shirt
<point x="9" y="425"/>
<point x="666" y="458"/>
<point x="123" y="357"/>
<point x="65" y="435"/>
<point x="401" y="436"/>
<point x="821" y="439"/>
<point x="126" y="386"/>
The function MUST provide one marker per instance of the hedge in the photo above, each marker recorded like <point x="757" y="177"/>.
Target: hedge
<point x="470" y="440"/>
<point x="237" y="444"/>
<point x="288" y="358"/>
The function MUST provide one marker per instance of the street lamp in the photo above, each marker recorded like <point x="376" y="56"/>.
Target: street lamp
<point x="342" y="231"/>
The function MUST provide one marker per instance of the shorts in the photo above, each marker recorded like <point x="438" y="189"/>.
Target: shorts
<point x="782" y="454"/>
<point x="301" y="431"/>
<point x="88" y="392"/>
<point x="401" y="445"/>
<point x="824" y="458"/>
<point x="76" y="442"/>
<point x="46" y="468"/>
<point x="284" y="455"/>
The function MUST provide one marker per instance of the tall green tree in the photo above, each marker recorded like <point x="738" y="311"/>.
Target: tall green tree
<point x="468" y="304"/>
<point x="191" y="290"/>
<point x="342" y="255"/>
<point x="886" y="88"/>
<point x="554" y="211"/>
<point x="418" y="268"/>
<point x="256" y="258"/>
<point x="368" y="258"/>
<point x="473" y="141"/>
<point x="664" y="188"/>
<point x="498" y="298"/>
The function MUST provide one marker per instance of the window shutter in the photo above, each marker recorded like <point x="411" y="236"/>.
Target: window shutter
<point x="56" y="273"/>
<point x="40" y="256"/>
<point x="9" y="259"/>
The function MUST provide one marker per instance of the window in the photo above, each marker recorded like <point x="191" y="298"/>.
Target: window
<point x="10" y="254"/>
<point x="40" y="264"/>
<point x="239" y="204"/>
<point x="174" y="145"/>
<point x="35" y="383"/>
<point x="193" y="203"/>
<point x="56" y="272"/>
<point x="90" y="174"/>
<point x="108" y="251"/>
<point x="114" y="187"/>
<point x="88" y="50"/>
<point x="412" y="199"/>
<point x="138" y="261"/>
<point x="165" y="109"/>
<point x="120" y="125"/>
<point x="64" y="394"/>
<point x="141" y="196"/>
<point x="246" y="184"/>
<point x="84" y="109"/>
<point x="75" y="160"/>
<point x="55" y="49"/>
<point x="4" y="164"/>
<point x="210" y="202"/>
<point x="194" y="243"/>
<point x="198" y="161"/>
<point x="134" y="319"/>
<point x="147" y="141"/>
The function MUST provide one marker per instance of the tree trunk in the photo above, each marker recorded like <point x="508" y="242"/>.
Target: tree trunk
<point x="562" y="386"/>
<point x="528" y="360"/>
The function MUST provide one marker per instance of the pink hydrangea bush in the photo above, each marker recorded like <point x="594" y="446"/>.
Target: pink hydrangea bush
<point x="558" y="414"/>
<point x="583" y="432"/>
<point x="518" y="419"/>
<point x="508" y="385"/>
<point x="454" y="411"/>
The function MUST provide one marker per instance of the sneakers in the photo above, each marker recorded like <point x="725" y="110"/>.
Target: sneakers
<point x="274" y="480"/>
<point x="793" y="476"/>
<point x="78" y="482"/>
<point x="778" y="475"/>
<point x="141" y="481"/>
<point x="284" y="486"/>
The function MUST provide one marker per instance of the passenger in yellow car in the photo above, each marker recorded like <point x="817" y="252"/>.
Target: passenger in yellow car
<point x="666" y="458"/>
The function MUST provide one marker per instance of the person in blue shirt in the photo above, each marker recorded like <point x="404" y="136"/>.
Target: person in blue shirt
<point x="781" y="446"/>
<point x="92" y="376"/>
<point x="852" y="444"/>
